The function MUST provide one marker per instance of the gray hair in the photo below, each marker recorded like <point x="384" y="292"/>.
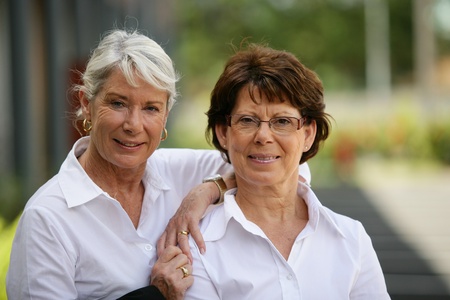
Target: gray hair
<point x="135" y="55"/>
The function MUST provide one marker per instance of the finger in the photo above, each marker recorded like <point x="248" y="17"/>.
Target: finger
<point x="171" y="236"/>
<point x="160" y="246"/>
<point x="183" y="243"/>
<point x="178" y="260"/>
<point x="187" y="282"/>
<point x="169" y="254"/>
<point x="186" y="271"/>
<point x="198" y="238"/>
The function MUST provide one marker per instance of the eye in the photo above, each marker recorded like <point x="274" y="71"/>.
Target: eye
<point x="247" y="120"/>
<point x="117" y="104"/>
<point x="152" y="108"/>
<point x="282" y="121"/>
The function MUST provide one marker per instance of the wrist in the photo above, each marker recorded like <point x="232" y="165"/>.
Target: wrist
<point x="220" y="184"/>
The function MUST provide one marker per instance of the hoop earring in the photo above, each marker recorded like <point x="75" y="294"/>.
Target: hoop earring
<point x="87" y="126"/>
<point x="164" y="137"/>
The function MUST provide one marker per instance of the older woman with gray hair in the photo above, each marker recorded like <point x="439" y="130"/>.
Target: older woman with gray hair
<point x="91" y="231"/>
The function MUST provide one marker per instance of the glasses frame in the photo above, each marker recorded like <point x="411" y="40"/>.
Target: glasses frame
<point x="300" y="122"/>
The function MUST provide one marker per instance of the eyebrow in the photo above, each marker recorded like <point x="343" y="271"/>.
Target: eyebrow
<point x="148" y="101"/>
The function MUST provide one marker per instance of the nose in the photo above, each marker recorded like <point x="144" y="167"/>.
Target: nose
<point x="264" y="133"/>
<point x="133" y="121"/>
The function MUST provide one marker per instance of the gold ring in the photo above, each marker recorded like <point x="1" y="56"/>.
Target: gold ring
<point x="183" y="232"/>
<point x="185" y="271"/>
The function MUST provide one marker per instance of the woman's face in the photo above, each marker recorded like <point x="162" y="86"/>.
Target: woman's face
<point x="260" y="156"/>
<point x="127" y="121"/>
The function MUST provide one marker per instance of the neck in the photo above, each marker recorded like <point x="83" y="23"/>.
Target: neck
<point x="279" y="203"/>
<point x="124" y="185"/>
<point x="109" y="177"/>
<point x="280" y="215"/>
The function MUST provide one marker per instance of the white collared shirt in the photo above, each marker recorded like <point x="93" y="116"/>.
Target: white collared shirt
<point x="74" y="241"/>
<point x="332" y="258"/>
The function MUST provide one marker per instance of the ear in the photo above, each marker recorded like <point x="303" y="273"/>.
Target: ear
<point x="85" y="105"/>
<point x="310" y="133"/>
<point x="166" y="115"/>
<point x="221" y="133"/>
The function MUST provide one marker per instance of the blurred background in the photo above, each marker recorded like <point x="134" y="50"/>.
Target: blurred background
<point x="385" y="65"/>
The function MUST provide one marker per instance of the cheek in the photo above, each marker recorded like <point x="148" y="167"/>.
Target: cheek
<point x="298" y="147"/>
<point x="154" y="124"/>
<point x="105" y="118"/>
<point x="237" y="147"/>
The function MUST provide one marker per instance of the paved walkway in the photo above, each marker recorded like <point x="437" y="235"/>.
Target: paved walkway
<point x="406" y="212"/>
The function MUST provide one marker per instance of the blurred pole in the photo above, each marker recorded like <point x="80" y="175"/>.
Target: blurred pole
<point x="424" y="52"/>
<point x="6" y="119"/>
<point x="57" y="124"/>
<point x="378" y="66"/>
<point x="20" y="16"/>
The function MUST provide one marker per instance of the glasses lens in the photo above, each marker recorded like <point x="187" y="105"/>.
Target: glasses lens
<point x="250" y="124"/>
<point x="284" y="124"/>
<point x="244" y="122"/>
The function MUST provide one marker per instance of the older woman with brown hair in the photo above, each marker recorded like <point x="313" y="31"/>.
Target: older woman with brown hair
<point x="272" y="238"/>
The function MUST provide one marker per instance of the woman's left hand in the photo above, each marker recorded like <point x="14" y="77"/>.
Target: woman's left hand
<point x="186" y="219"/>
<point x="171" y="273"/>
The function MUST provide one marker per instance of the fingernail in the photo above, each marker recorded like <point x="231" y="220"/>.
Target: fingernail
<point x="202" y="250"/>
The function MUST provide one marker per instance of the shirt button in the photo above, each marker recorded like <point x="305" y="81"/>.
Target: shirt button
<point x="289" y="277"/>
<point x="148" y="247"/>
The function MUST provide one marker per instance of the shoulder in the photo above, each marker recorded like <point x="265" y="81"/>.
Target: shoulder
<point x="47" y="206"/>
<point x="348" y="227"/>
<point x="185" y="155"/>
<point x="191" y="164"/>
<point x="214" y="224"/>
<point x="48" y="195"/>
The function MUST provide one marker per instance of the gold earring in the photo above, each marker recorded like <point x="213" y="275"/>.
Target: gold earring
<point x="87" y="126"/>
<point x="164" y="137"/>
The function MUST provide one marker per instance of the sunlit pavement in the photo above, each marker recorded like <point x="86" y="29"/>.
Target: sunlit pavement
<point x="406" y="211"/>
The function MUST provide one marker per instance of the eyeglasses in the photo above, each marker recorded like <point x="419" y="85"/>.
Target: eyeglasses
<point x="278" y="125"/>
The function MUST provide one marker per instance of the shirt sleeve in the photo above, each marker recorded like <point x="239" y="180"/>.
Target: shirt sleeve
<point x="190" y="165"/>
<point x="43" y="266"/>
<point x="146" y="293"/>
<point x="370" y="283"/>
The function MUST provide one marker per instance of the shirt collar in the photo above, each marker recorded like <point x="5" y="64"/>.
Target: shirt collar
<point x="316" y="213"/>
<point x="316" y="210"/>
<point x="76" y="185"/>
<point x="78" y="188"/>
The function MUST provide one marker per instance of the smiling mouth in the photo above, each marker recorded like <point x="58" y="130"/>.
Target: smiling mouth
<point x="127" y="144"/>
<point x="263" y="158"/>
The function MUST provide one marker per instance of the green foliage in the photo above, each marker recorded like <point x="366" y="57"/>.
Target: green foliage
<point x="401" y="39"/>
<point x="440" y="140"/>
<point x="326" y="35"/>
<point x="10" y="204"/>
<point x="6" y="236"/>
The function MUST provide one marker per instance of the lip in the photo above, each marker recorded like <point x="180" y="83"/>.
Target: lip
<point x="263" y="158"/>
<point x="128" y="144"/>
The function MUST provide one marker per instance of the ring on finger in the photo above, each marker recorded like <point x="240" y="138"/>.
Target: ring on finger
<point x="185" y="271"/>
<point x="183" y="232"/>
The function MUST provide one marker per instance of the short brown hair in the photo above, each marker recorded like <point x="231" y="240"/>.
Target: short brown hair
<point x="281" y="77"/>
